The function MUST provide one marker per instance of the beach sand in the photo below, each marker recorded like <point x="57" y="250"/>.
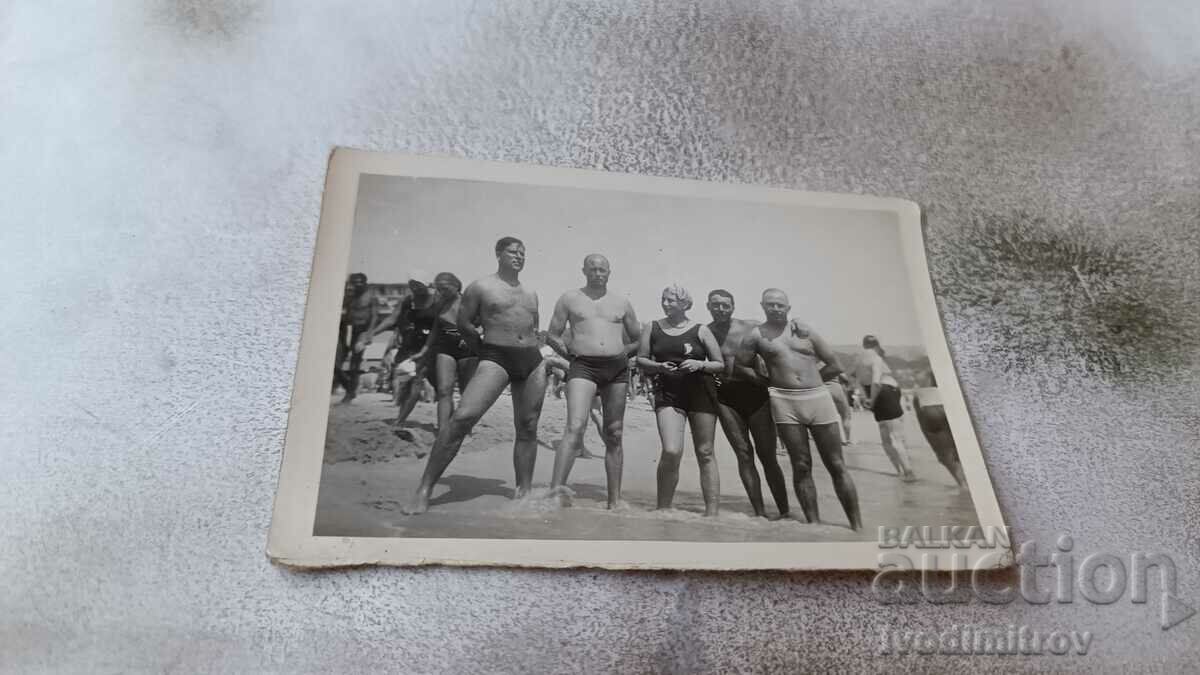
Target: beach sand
<point x="370" y="470"/>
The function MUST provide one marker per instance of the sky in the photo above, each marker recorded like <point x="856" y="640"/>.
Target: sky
<point x="842" y="270"/>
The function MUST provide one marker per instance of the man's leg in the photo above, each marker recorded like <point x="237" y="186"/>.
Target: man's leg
<point x="489" y="381"/>
<point x="829" y="444"/>
<point x="445" y="379"/>
<point x="762" y="430"/>
<point x="943" y="446"/>
<point x="356" y="359"/>
<point x="580" y="392"/>
<point x="737" y="432"/>
<point x="339" y="357"/>
<point x="528" y="397"/>
<point x="670" y="431"/>
<point x="704" y="433"/>
<point x="612" y="403"/>
<point x="597" y="415"/>
<point x="466" y="370"/>
<point x="795" y="439"/>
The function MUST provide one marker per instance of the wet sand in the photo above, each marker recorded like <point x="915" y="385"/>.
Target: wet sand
<point x="371" y="469"/>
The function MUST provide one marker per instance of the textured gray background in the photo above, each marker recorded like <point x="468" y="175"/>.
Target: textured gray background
<point x="161" y="166"/>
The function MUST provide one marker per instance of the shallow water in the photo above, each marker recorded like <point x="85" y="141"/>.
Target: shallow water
<point x="363" y="496"/>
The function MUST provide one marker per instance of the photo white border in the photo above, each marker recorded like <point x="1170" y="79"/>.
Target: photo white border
<point x="292" y="542"/>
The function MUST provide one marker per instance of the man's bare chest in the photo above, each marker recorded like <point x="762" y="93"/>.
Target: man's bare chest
<point x="506" y="301"/>
<point x="583" y="308"/>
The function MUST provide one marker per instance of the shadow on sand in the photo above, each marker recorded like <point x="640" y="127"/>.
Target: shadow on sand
<point x="465" y="488"/>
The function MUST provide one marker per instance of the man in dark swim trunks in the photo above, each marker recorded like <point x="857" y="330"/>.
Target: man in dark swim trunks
<point x="800" y="402"/>
<point x="599" y="358"/>
<point x="508" y="354"/>
<point x="744" y="411"/>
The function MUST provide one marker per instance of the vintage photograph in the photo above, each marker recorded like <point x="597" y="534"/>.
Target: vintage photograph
<point x="521" y="365"/>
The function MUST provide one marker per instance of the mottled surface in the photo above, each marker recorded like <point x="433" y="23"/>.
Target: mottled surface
<point x="161" y="165"/>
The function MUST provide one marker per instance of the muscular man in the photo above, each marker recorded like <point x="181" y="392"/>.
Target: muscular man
<point x="508" y="354"/>
<point x="599" y="358"/>
<point x="359" y="316"/>
<point x="743" y="411"/>
<point x="800" y="402"/>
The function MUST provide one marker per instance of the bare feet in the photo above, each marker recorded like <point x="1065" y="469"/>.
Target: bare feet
<point x="584" y="454"/>
<point x="561" y="495"/>
<point x="780" y="516"/>
<point x="908" y="477"/>
<point x="418" y="505"/>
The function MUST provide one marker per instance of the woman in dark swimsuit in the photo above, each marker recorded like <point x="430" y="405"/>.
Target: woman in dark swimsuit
<point x="682" y="356"/>
<point x="450" y="358"/>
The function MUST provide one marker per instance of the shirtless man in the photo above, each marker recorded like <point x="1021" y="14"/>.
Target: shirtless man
<point x="508" y="354"/>
<point x="599" y="359"/>
<point x="359" y="315"/>
<point x="743" y="411"/>
<point x="800" y="402"/>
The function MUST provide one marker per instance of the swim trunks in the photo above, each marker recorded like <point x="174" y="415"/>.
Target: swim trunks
<point x="813" y="406"/>
<point x="450" y="341"/>
<point x="518" y="362"/>
<point x="689" y="392"/>
<point x="746" y="398"/>
<point x="603" y="370"/>
<point x="887" y="403"/>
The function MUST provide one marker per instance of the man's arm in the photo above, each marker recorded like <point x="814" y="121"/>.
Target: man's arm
<point x="468" y="311"/>
<point x="394" y="320"/>
<point x="747" y="358"/>
<point x="633" y="329"/>
<point x="558" y="324"/>
<point x="823" y="351"/>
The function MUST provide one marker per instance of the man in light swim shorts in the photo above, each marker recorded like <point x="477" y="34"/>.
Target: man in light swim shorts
<point x="800" y="401"/>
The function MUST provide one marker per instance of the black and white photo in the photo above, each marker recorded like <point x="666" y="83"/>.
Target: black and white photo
<point x="552" y="367"/>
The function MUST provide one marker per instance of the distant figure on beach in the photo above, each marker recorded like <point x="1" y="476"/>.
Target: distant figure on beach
<point x="881" y="395"/>
<point x="682" y="356"/>
<point x="800" y="401"/>
<point x="358" y="319"/>
<point x="743" y="409"/>
<point x="507" y="313"/>
<point x="835" y="380"/>
<point x="599" y="366"/>
<point x="931" y="416"/>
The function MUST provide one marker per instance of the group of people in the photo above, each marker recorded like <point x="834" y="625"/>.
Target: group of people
<point x="760" y="381"/>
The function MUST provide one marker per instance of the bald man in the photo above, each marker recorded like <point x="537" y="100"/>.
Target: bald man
<point x="800" y="402"/>
<point x="599" y="357"/>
